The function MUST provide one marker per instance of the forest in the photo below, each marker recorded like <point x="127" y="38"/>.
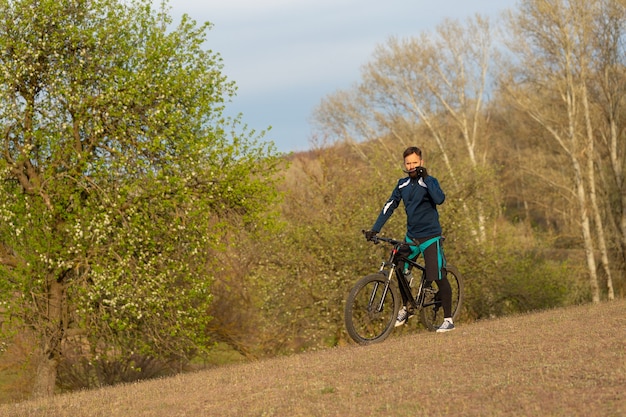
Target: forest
<point x="142" y="233"/>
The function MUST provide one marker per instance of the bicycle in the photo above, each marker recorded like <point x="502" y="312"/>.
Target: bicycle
<point x="373" y="303"/>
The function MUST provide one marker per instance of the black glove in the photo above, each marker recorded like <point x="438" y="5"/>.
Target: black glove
<point x="369" y="234"/>
<point x="422" y="172"/>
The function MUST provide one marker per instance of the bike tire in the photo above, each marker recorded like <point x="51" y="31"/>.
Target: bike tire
<point x="364" y="323"/>
<point x="431" y="313"/>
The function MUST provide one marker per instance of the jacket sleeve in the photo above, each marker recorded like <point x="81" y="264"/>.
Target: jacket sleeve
<point x="388" y="209"/>
<point x="434" y="190"/>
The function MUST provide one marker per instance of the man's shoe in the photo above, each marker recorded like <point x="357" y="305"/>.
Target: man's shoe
<point x="403" y="316"/>
<point x="445" y="327"/>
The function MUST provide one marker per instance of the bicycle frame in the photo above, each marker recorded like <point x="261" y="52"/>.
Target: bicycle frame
<point x="405" y="289"/>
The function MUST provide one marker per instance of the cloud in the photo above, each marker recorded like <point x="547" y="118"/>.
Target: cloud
<point x="287" y="55"/>
<point x="314" y="42"/>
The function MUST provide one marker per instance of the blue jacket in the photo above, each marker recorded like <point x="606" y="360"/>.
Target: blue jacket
<point x="420" y="198"/>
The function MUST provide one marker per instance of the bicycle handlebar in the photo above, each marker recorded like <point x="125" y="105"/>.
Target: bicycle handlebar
<point x="377" y="239"/>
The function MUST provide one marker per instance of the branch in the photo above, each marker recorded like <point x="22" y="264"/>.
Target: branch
<point x="7" y="258"/>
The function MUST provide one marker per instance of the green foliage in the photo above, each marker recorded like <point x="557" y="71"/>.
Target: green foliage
<point x="518" y="282"/>
<point x="512" y="274"/>
<point x="332" y="194"/>
<point x="310" y="265"/>
<point x="120" y="176"/>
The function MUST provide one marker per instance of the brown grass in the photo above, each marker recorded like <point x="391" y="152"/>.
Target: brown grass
<point x="565" y="362"/>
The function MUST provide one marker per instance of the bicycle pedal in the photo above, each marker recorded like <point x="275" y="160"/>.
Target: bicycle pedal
<point x="429" y="294"/>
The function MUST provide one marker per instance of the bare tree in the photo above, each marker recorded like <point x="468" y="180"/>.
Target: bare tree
<point x="608" y="95"/>
<point x="437" y="83"/>
<point x="553" y="46"/>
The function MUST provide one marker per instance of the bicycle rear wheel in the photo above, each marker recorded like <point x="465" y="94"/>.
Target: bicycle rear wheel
<point x="370" y="312"/>
<point x="431" y="313"/>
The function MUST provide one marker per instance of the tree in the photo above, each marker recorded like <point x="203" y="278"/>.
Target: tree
<point x="436" y="85"/>
<point x="608" y="95"/>
<point x="557" y="46"/>
<point x="119" y="177"/>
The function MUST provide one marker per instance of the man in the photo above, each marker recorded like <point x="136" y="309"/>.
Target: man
<point x="421" y="194"/>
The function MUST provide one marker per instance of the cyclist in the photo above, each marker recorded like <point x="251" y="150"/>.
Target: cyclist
<point x="420" y="194"/>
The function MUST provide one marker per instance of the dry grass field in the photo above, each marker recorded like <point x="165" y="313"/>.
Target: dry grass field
<point x="564" y="362"/>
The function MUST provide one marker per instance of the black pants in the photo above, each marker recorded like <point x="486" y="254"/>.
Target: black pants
<point x="431" y="263"/>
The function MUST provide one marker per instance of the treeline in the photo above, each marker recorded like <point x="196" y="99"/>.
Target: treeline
<point x="523" y="124"/>
<point x="141" y="228"/>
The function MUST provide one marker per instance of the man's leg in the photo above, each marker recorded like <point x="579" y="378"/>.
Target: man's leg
<point x="431" y="263"/>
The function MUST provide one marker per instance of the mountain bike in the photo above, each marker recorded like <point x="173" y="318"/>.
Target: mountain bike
<point x="373" y="303"/>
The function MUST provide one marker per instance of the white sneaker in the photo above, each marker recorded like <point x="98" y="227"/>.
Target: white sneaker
<point x="403" y="316"/>
<point x="445" y="327"/>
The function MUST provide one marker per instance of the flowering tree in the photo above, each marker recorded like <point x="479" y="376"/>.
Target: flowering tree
<point x="118" y="176"/>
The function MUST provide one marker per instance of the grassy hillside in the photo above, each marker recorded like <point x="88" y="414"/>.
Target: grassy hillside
<point x="565" y="362"/>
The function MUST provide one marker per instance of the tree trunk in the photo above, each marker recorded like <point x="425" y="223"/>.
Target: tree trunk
<point x="591" y="180"/>
<point x="52" y="336"/>
<point x="604" y="252"/>
<point x="45" y="379"/>
<point x="588" y="242"/>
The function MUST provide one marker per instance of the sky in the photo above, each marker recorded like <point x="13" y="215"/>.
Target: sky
<point x="286" y="56"/>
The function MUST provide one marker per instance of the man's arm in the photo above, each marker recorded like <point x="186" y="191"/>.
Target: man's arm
<point x="434" y="190"/>
<point x="388" y="209"/>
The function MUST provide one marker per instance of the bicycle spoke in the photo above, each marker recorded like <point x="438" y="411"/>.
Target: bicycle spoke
<point x="432" y="314"/>
<point x="371" y="316"/>
<point x="370" y="311"/>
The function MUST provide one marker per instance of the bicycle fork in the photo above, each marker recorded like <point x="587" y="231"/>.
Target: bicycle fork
<point x="379" y="308"/>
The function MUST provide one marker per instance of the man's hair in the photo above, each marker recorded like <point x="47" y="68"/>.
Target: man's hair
<point x="412" y="150"/>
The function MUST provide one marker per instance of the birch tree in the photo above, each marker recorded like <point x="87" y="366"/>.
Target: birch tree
<point x="438" y="82"/>
<point x="554" y="50"/>
<point x="608" y="95"/>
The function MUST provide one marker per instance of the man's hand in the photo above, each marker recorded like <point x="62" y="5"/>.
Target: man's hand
<point x="422" y="172"/>
<point x="369" y="234"/>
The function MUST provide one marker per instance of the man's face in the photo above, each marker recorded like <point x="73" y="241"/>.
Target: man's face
<point x="411" y="162"/>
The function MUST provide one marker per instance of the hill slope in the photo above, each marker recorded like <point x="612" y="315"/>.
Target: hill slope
<point x="565" y="362"/>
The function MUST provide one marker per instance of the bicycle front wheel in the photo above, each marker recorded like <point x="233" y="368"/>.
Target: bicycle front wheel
<point x="371" y="309"/>
<point x="431" y="313"/>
